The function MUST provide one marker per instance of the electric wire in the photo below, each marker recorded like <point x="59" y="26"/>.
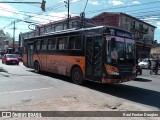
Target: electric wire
<point x="60" y="5"/>
<point x="48" y="9"/>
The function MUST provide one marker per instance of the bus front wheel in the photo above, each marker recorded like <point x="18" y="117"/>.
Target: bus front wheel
<point x="36" y="67"/>
<point x="77" y="75"/>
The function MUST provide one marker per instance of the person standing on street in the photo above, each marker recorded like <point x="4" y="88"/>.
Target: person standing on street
<point x="156" y="67"/>
<point x="152" y="67"/>
<point x="149" y="62"/>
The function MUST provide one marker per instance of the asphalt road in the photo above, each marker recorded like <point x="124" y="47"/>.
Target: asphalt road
<point x="19" y="84"/>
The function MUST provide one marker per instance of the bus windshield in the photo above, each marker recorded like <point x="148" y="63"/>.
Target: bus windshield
<point x="130" y="50"/>
<point x="120" y="47"/>
<point x="122" y="52"/>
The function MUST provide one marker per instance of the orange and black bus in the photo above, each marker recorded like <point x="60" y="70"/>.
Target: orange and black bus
<point x="84" y="54"/>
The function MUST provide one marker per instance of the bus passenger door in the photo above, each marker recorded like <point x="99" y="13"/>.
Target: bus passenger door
<point x="30" y="54"/>
<point x="94" y="58"/>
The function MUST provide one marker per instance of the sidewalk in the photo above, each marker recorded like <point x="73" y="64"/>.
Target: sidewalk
<point x="73" y="103"/>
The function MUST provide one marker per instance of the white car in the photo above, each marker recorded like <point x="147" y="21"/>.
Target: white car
<point x="144" y="64"/>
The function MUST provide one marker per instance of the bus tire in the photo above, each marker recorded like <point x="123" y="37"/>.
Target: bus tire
<point x="77" y="76"/>
<point x="37" y="67"/>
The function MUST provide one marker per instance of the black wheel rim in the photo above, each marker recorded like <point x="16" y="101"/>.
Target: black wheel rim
<point x="36" y="67"/>
<point x="76" y="76"/>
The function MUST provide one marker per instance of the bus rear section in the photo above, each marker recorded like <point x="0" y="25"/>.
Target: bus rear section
<point x="84" y="55"/>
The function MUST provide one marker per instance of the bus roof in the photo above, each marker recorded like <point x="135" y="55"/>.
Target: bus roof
<point x="76" y="30"/>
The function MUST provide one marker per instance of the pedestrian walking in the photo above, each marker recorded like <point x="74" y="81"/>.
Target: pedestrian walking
<point x="149" y="62"/>
<point x="156" y="67"/>
<point x="152" y="67"/>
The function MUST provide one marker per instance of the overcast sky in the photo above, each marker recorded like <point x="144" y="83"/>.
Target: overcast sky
<point x="55" y="9"/>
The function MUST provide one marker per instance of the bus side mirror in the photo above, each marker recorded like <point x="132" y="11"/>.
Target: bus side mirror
<point x="113" y="42"/>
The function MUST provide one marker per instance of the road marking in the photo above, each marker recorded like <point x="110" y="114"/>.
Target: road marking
<point x="26" y="90"/>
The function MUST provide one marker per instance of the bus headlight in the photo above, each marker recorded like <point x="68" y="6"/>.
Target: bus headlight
<point x="113" y="72"/>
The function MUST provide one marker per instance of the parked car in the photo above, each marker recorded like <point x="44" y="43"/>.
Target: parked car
<point x="10" y="59"/>
<point x="144" y="64"/>
<point x="18" y="57"/>
<point x="138" y="70"/>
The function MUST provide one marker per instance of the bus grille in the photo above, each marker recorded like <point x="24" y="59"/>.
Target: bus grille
<point x="125" y="69"/>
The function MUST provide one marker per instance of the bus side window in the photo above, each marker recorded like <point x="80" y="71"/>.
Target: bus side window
<point x="52" y="44"/>
<point x="34" y="45"/>
<point x="75" y="42"/>
<point x="62" y="43"/>
<point x="72" y="42"/>
<point x="44" y="45"/>
<point x="38" y="45"/>
<point x="78" y="42"/>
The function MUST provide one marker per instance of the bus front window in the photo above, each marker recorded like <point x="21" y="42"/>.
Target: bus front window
<point x="120" y="46"/>
<point x="121" y="52"/>
<point x="130" y="51"/>
<point x="115" y="54"/>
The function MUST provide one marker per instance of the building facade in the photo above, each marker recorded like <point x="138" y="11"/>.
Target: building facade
<point x="5" y="40"/>
<point x="2" y="38"/>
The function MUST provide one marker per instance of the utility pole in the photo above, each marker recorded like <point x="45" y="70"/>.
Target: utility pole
<point x="83" y="16"/>
<point x="14" y="28"/>
<point x="68" y="14"/>
<point x="82" y="19"/>
<point x="67" y="5"/>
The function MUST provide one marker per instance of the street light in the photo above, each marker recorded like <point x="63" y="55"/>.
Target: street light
<point x="42" y="4"/>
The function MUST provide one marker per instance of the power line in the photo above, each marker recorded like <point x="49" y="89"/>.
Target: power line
<point x="27" y="18"/>
<point x="113" y="8"/>
<point x="25" y="14"/>
<point x="143" y="9"/>
<point x="15" y="19"/>
<point x="85" y="6"/>
<point x="27" y="4"/>
<point x="58" y="5"/>
<point x="30" y="17"/>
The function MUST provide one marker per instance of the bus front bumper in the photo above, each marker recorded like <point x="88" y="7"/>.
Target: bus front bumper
<point x="118" y="80"/>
